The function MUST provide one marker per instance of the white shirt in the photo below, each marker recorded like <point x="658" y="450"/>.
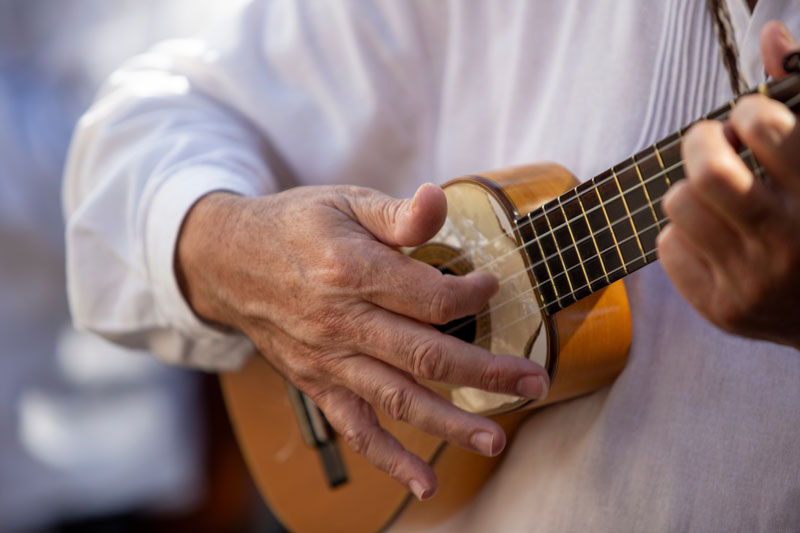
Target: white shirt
<point x="700" y="430"/>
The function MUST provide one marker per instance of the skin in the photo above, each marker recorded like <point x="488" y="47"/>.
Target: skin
<point x="353" y="337"/>
<point x="356" y="338"/>
<point x="733" y="248"/>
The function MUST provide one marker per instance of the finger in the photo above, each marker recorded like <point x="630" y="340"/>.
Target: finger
<point x="402" y="398"/>
<point x="402" y="222"/>
<point x="776" y="43"/>
<point x="718" y="176"/>
<point x="708" y="234"/>
<point x="356" y="422"/>
<point x="417" y="290"/>
<point x="428" y="354"/>
<point x="689" y="273"/>
<point x="771" y="131"/>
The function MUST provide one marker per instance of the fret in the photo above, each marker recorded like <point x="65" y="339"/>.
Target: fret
<point x="618" y="220"/>
<point x="628" y="213"/>
<point x="564" y="245"/>
<point x="588" y="250"/>
<point x="669" y="151"/>
<point x="575" y="245"/>
<point x="594" y="240"/>
<point x="637" y="203"/>
<point x="583" y="273"/>
<point x="646" y="192"/>
<point x="539" y="267"/>
<point x="606" y="228"/>
<point x="601" y="231"/>
<point x="786" y="91"/>
<point x="722" y="112"/>
<point x="551" y="257"/>
<point x="661" y="164"/>
<point x="651" y="171"/>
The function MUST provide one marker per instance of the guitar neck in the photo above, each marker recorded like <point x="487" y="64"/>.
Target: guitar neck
<point x="606" y="227"/>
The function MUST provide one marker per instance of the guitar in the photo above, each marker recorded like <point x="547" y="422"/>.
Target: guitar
<point x="559" y="250"/>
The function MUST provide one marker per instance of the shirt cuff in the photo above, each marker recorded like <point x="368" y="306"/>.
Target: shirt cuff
<point x="208" y="347"/>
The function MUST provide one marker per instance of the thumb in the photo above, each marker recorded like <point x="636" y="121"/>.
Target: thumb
<point x="403" y="222"/>
<point x="776" y="43"/>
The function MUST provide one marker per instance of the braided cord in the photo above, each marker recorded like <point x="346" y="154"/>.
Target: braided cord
<point x="721" y="18"/>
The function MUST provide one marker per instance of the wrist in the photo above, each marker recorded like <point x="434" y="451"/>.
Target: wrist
<point x="203" y="250"/>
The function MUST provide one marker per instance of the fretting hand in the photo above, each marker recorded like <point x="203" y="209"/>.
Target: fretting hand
<point x="311" y="276"/>
<point x="733" y="248"/>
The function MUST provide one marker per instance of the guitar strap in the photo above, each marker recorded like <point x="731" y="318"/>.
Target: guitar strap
<point x="721" y="18"/>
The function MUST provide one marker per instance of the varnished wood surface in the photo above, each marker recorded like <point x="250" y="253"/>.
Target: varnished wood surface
<point x="288" y="473"/>
<point x="589" y="341"/>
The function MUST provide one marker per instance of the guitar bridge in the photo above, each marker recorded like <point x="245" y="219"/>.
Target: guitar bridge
<point x="318" y="433"/>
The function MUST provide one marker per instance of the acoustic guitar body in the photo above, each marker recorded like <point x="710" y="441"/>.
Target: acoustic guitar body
<point x="583" y="347"/>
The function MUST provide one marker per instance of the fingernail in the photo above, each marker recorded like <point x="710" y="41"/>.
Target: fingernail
<point x="414" y="200"/>
<point x="545" y="387"/>
<point x="419" y="491"/>
<point x="483" y="441"/>
<point x="532" y="387"/>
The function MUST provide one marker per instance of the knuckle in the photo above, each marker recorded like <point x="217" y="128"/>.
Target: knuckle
<point x="302" y="375"/>
<point x="396" y="401"/>
<point x="389" y="211"/>
<point x="758" y="117"/>
<point x="762" y="126"/>
<point x="453" y="431"/>
<point x="753" y="293"/>
<point x="392" y="466"/>
<point x="700" y="130"/>
<point x="697" y="135"/>
<point x="429" y="361"/>
<point x="713" y="171"/>
<point x="329" y="324"/>
<point x="334" y="272"/>
<point x="782" y="257"/>
<point x="492" y="378"/>
<point x="729" y="315"/>
<point x="360" y="441"/>
<point x="443" y="305"/>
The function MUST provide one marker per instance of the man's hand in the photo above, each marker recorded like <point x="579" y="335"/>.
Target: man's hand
<point x="733" y="248"/>
<point x="311" y="276"/>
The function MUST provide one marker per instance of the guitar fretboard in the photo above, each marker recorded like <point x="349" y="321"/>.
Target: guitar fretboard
<point x="606" y="228"/>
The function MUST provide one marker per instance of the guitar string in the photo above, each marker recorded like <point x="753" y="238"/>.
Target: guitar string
<point x="529" y="221"/>
<point x="599" y="253"/>
<point x="516" y="297"/>
<point x="538" y="310"/>
<point x="588" y="284"/>
<point x="572" y="293"/>
<point x="745" y="152"/>
<point x="595" y="186"/>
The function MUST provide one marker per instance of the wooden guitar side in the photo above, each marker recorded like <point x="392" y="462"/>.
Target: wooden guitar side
<point x="589" y="341"/>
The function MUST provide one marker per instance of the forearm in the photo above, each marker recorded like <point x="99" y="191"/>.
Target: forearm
<point x="136" y="167"/>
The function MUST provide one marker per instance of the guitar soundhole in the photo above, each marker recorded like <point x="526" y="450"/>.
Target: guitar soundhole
<point x="474" y="329"/>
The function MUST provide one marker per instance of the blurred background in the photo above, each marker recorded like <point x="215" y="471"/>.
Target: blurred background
<point x="92" y="437"/>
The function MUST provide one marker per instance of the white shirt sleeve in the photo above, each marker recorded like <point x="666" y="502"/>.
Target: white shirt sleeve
<point x="288" y="85"/>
